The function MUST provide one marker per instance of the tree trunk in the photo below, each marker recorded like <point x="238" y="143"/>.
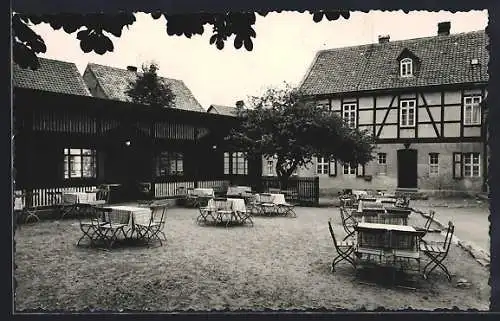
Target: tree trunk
<point x="283" y="174"/>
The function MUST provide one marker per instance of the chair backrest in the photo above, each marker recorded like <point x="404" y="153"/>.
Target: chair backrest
<point x="430" y="218"/>
<point x="266" y="198"/>
<point x="221" y="203"/>
<point x="103" y="194"/>
<point x="449" y="236"/>
<point x="332" y="234"/>
<point x="158" y="213"/>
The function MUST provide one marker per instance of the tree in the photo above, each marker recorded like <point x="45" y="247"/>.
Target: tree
<point x="283" y="124"/>
<point x="93" y="29"/>
<point x="149" y="89"/>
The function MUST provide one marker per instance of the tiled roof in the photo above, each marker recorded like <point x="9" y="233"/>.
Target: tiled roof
<point x="222" y="110"/>
<point x="115" y="81"/>
<point x="443" y="59"/>
<point x="52" y="75"/>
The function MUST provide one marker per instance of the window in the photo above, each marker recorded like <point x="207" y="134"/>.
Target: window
<point x="382" y="163"/>
<point x="349" y="114"/>
<point x="235" y="163"/>
<point x="466" y="165"/>
<point x="79" y="163"/>
<point x="226" y="163"/>
<point x="433" y="164"/>
<point x="270" y="167"/>
<point x="406" y="67"/>
<point x="472" y="110"/>
<point x="322" y="165"/>
<point x="471" y="164"/>
<point x="332" y="167"/>
<point x="169" y="163"/>
<point x="407" y="113"/>
<point x="349" y="169"/>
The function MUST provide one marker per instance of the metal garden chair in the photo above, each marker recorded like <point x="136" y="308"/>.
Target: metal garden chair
<point x="348" y="223"/>
<point x="29" y="209"/>
<point x="113" y="225"/>
<point x="423" y="231"/>
<point x="91" y="227"/>
<point x="154" y="229"/>
<point x="437" y="252"/>
<point x="266" y="204"/>
<point x="344" y="249"/>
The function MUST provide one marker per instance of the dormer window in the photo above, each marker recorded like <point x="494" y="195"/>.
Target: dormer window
<point x="406" y="67"/>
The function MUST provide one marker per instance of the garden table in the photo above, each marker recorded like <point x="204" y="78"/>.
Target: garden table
<point x="71" y="201"/>
<point x="199" y="196"/>
<point x="235" y="211"/>
<point x="238" y="190"/>
<point x="128" y="215"/>
<point x="388" y="241"/>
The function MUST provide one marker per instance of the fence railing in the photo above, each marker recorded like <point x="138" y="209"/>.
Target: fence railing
<point x="302" y="190"/>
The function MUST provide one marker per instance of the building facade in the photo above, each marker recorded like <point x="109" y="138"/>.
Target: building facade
<point x="75" y="133"/>
<point x="420" y="98"/>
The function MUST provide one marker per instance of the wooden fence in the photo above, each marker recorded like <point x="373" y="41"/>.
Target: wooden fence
<point x="301" y="190"/>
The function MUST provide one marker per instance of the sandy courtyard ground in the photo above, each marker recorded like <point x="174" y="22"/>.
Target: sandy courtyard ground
<point x="280" y="263"/>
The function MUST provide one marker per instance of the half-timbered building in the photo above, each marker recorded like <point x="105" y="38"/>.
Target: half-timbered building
<point x="75" y="133"/>
<point x="420" y="98"/>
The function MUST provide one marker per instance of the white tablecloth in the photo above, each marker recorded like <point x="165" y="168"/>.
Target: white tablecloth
<point x="359" y="193"/>
<point x="79" y="197"/>
<point x="130" y="215"/>
<point x="205" y="192"/>
<point x="238" y="190"/>
<point x="237" y="204"/>
<point x="275" y="198"/>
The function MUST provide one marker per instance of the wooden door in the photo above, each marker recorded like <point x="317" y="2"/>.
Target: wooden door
<point x="407" y="168"/>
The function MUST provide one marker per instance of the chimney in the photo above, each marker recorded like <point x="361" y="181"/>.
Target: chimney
<point x="384" y="39"/>
<point x="132" y="68"/>
<point x="240" y="104"/>
<point x="444" y="28"/>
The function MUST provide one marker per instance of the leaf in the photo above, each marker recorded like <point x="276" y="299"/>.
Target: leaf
<point x="317" y="16"/>
<point x="238" y="42"/>
<point x="248" y="44"/>
<point x="156" y="15"/>
<point x="212" y="39"/>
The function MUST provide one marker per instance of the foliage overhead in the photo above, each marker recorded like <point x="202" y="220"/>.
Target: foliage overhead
<point x="94" y="29"/>
<point x="284" y="125"/>
<point x="150" y="89"/>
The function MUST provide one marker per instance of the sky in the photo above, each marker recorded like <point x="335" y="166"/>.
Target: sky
<point x="284" y="48"/>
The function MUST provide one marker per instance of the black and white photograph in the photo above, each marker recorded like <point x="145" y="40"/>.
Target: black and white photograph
<point x="250" y="161"/>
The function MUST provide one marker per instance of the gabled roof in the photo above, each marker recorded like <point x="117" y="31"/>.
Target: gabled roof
<point x="443" y="60"/>
<point x="52" y="75"/>
<point x="115" y="81"/>
<point x="222" y="110"/>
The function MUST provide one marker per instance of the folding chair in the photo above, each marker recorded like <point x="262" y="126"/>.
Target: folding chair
<point x="223" y="209"/>
<point x="206" y="212"/>
<point x="344" y="249"/>
<point x="437" y="252"/>
<point x="91" y="228"/>
<point x="266" y="204"/>
<point x="154" y="229"/>
<point x="29" y="209"/>
<point x="113" y="225"/>
<point x="287" y="209"/>
<point x="102" y="197"/>
<point x="423" y="231"/>
<point x="348" y="223"/>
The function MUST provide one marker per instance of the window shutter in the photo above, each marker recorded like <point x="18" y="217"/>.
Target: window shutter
<point x="332" y="167"/>
<point x="360" y="170"/>
<point x="457" y="166"/>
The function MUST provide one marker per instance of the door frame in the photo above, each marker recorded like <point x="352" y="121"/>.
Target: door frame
<point x="400" y="161"/>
